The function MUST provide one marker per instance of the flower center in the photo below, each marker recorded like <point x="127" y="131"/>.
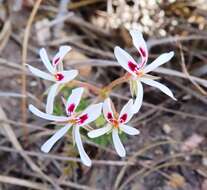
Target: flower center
<point x="78" y="120"/>
<point x="115" y="123"/>
<point x="59" y="76"/>
<point x="139" y="73"/>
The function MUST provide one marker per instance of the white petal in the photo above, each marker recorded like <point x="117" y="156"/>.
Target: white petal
<point x="68" y="76"/>
<point x="129" y="130"/>
<point x="46" y="147"/>
<point x="107" y="110"/>
<point x="139" y="98"/>
<point x="84" y="157"/>
<point x="118" y="144"/>
<point x="123" y="59"/>
<point x="74" y="100"/>
<point x="158" y="85"/>
<point x="90" y="114"/>
<point x="49" y="117"/>
<point x="51" y="98"/>
<point x="46" y="61"/>
<point x="126" y="112"/>
<point x="140" y="44"/>
<point x="60" y="55"/>
<point x="40" y="73"/>
<point x="98" y="132"/>
<point x="163" y="58"/>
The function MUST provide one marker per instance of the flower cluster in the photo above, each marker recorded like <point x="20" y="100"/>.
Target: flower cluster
<point x="116" y="123"/>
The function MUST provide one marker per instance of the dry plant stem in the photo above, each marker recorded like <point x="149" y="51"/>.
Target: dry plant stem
<point x="24" y="59"/>
<point x="94" y="89"/>
<point x="118" y="81"/>
<point x="98" y="90"/>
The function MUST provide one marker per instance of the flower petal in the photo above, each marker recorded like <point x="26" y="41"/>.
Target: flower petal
<point x="163" y="58"/>
<point x="139" y="97"/>
<point x="140" y="44"/>
<point x="129" y="130"/>
<point x="40" y="73"/>
<point x="84" y="157"/>
<point x="49" y="117"/>
<point x="90" y="114"/>
<point x="60" y="55"/>
<point x="46" y="147"/>
<point x="74" y="100"/>
<point x="158" y="85"/>
<point x="107" y="110"/>
<point x="126" y="112"/>
<point x="51" y="97"/>
<point x="118" y="144"/>
<point x="46" y="61"/>
<point x="98" y="132"/>
<point x="68" y="76"/>
<point x="125" y="60"/>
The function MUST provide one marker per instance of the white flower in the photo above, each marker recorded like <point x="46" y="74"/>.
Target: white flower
<point x="116" y="123"/>
<point x="140" y="71"/>
<point x="56" y="75"/>
<point x="74" y="119"/>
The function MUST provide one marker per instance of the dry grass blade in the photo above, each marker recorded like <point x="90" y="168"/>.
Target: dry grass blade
<point x="24" y="59"/>
<point x="185" y="71"/>
<point x="22" y="182"/>
<point x="9" y="133"/>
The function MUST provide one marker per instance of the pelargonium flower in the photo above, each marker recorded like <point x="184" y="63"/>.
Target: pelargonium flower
<point x="56" y="74"/>
<point x="139" y="71"/>
<point x="77" y="120"/>
<point x="116" y="123"/>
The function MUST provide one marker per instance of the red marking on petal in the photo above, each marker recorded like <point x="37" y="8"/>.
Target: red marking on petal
<point x="132" y="66"/>
<point x="71" y="108"/>
<point x="59" y="76"/>
<point x="56" y="61"/>
<point x="109" y="116"/>
<point x="123" y="118"/>
<point x="142" y="52"/>
<point x="83" y="118"/>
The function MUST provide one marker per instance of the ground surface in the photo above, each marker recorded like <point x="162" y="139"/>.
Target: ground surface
<point x="170" y="153"/>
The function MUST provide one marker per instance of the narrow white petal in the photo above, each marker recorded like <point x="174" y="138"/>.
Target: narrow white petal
<point x="60" y="55"/>
<point x="92" y="113"/>
<point x="84" y="157"/>
<point x="46" y="61"/>
<point x="118" y="144"/>
<point x="140" y="44"/>
<point x="40" y="73"/>
<point x="158" y="85"/>
<point x="99" y="132"/>
<point x="129" y="130"/>
<point x="74" y="100"/>
<point x="49" y="117"/>
<point x="107" y="109"/>
<point x="163" y="58"/>
<point x="51" y="97"/>
<point x="126" y="112"/>
<point x="139" y="98"/>
<point x="68" y="76"/>
<point x="123" y="59"/>
<point x="46" y="147"/>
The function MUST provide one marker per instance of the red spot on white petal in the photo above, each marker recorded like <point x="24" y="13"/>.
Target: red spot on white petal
<point x="82" y="118"/>
<point x="71" y="108"/>
<point x="109" y="116"/>
<point x="123" y="118"/>
<point x="56" y="61"/>
<point x="142" y="51"/>
<point x="59" y="76"/>
<point x="133" y="67"/>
